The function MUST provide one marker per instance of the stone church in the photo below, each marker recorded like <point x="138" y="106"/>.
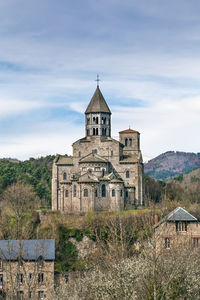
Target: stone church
<point x="103" y="173"/>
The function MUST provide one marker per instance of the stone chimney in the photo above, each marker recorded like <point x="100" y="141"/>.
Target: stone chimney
<point x="156" y="220"/>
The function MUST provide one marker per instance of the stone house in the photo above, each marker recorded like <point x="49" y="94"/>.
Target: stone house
<point x="103" y="173"/>
<point x="177" y="229"/>
<point x="27" y="269"/>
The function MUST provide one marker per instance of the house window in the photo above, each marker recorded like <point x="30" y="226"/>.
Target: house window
<point x="196" y="242"/>
<point x="96" y="193"/>
<point x="74" y="190"/>
<point x="97" y="120"/>
<point x="167" y="243"/>
<point x="103" y="190"/>
<point x="130" y="142"/>
<point x="79" y="154"/>
<point x="64" y="176"/>
<point x="40" y="295"/>
<point x="40" y="261"/>
<point x="127" y="194"/>
<point x="97" y="131"/>
<point x="93" y="131"/>
<point x="40" y="277"/>
<point x="20" y="295"/>
<point x="1" y="281"/>
<point x="121" y="193"/>
<point x="126" y="142"/>
<point x="103" y="172"/>
<point x="113" y="193"/>
<point x="127" y="174"/>
<point x="20" y="278"/>
<point x="66" y="193"/>
<point x="181" y="226"/>
<point x="85" y="193"/>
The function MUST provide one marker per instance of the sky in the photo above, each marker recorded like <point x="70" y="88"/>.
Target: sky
<point x="147" y="54"/>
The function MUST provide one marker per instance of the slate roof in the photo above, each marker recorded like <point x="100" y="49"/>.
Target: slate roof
<point x="180" y="214"/>
<point x="97" y="103"/>
<point x="27" y="249"/>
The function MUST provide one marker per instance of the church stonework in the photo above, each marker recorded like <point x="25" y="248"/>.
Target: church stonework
<point x="103" y="173"/>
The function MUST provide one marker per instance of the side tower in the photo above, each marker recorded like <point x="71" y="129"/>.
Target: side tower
<point x="132" y="159"/>
<point x="98" y="116"/>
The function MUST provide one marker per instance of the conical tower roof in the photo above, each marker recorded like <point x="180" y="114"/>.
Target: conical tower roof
<point x="97" y="103"/>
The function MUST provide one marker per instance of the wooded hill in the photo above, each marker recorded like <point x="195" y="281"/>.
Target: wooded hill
<point x="36" y="172"/>
<point x="170" y="164"/>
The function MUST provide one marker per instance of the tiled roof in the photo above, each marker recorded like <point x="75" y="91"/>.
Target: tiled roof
<point x="180" y="214"/>
<point x="129" y="131"/>
<point x="27" y="249"/>
<point x="92" y="157"/>
<point x="87" y="177"/>
<point x="97" y="103"/>
<point x="64" y="160"/>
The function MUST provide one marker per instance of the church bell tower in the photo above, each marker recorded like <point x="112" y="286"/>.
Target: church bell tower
<point x="98" y="116"/>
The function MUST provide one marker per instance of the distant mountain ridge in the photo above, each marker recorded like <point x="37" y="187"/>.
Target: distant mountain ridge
<point x="171" y="163"/>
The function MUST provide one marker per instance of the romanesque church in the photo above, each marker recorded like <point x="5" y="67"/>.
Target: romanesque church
<point x="103" y="173"/>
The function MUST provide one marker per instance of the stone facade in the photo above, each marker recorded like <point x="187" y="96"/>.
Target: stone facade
<point x="22" y="277"/>
<point x="103" y="173"/>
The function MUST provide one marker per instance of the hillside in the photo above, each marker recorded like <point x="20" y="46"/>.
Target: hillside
<point x="36" y="172"/>
<point x="171" y="163"/>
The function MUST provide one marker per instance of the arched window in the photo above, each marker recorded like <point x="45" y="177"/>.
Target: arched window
<point x="121" y="193"/>
<point x="103" y="190"/>
<point x="88" y="132"/>
<point x="111" y="153"/>
<point x="103" y="172"/>
<point x="102" y="120"/>
<point x="79" y="154"/>
<point x="105" y="131"/>
<point x="130" y="142"/>
<point x="64" y="176"/>
<point x="97" y="120"/>
<point x="97" y="131"/>
<point x="85" y="193"/>
<point x="93" y="131"/>
<point x="127" y="174"/>
<point x="88" y="120"/>
<point x="126" y="194"/>
<point x="74" y="190"/>
<point x="94" y="120"/>
<point x="126" y="142"/>
<point x="113" y="193"/>
<point x="66" y="193"/>
<point x="96" y="193"/>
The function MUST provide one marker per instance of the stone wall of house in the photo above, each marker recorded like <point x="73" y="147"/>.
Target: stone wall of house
<point x="17" y="278"/>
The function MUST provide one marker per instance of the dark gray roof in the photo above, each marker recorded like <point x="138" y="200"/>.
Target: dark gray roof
<point x="27" y="249"/>
<point x="97" y="103"/>
<point x="180" y="214"/>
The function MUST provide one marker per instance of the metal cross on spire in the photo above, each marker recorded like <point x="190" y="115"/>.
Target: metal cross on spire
<point x="97" y="80"/>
